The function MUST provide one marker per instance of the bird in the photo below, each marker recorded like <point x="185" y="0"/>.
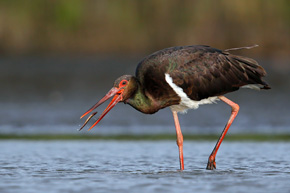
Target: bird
<point x="182" y="78"/>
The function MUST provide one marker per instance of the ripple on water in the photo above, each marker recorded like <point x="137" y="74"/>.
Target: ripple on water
<point x="141" y="166"/>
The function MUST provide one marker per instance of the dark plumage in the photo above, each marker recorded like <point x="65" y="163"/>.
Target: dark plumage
<point x="201" y="71"/>
<point x="183" y="78"/>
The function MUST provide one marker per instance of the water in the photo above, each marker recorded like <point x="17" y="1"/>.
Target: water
<point x="142" y="166"/>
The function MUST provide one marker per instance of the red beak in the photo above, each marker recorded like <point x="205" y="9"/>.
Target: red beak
<point x="117" y="98"/>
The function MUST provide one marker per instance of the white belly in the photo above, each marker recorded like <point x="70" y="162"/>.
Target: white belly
<point x="185" y="102"/>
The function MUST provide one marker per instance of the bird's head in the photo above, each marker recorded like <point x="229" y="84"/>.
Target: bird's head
<point x="124" y="87"/>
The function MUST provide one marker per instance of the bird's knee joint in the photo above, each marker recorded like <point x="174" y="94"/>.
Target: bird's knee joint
<point x="235" y="108"/>
<point x="179" y="142"/>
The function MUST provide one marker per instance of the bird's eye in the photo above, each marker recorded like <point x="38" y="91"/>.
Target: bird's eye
<point x="123" y="83"/>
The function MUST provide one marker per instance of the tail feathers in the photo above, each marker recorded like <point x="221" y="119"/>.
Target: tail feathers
<point x="251" y="64"/>
<point x="257" y="86"/>
<point x="266" y="86"/>
<point x="253" y="71"/>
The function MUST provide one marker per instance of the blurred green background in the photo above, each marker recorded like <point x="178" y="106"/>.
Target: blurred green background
<point x="138" y="26"/>
<point x="58" y="57"/>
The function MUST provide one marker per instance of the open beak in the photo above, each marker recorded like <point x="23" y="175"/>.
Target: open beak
<point x="117" y="93"/>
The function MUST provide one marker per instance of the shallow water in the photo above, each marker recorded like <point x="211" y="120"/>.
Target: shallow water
<point x="142" y="166"/>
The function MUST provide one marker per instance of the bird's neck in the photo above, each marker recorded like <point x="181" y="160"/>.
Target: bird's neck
<point x="143" y="102"/>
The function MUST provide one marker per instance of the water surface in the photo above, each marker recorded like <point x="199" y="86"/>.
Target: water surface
<point x="142" y="166"/>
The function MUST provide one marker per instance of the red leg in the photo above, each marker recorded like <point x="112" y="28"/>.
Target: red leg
<point x="179" y="139"/>
<point x="235" y="109"/>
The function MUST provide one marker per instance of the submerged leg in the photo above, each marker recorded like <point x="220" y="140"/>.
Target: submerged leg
<point x="235" y="109"/>
<point x="179" y="139"/>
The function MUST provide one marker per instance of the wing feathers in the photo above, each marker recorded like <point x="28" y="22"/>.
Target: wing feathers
<point x="211" y="72"/>
<point x="201" y="71"/>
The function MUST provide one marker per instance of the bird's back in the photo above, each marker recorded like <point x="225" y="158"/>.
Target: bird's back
<point x="201" y="71"/>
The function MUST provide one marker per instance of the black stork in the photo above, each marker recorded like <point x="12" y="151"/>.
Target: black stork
<point x="183" y="78"/>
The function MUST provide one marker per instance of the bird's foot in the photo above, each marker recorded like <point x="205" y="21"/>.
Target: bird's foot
<point x="211" y="165"/>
